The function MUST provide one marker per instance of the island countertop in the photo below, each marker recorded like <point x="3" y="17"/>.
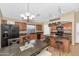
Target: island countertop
<point x="14" y="50"/>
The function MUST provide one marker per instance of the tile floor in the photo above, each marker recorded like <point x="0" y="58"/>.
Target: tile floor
<point x="74" y="51"/>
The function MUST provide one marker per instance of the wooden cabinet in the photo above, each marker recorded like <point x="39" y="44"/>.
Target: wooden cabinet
<point x="22" y="26"/>
<point x="52" y="41"/>
<point x="3" y="21"/>
<point x="53" y="27"/>
<point x="65" y="43"/>
<point x="40" y="35"/>
<point x="65" y="40"/>
<point x="39" y="27"/>
<point x="67" y="26"/>
<point x="22" y="39"/>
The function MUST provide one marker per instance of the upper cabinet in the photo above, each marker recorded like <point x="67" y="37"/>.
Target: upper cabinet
<point x="39" y="27"/>
<point x="3" y="21"/>
<point x="53" y="27"/>
<point x="22" y="26"/>
<point x="67" y="26"/>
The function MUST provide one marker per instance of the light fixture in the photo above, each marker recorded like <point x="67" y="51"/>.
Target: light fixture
<point x="33" y="16"/>
<point x="59" y="14"/>
<point x="28" y="16"/>
<point x="22" y="15"/>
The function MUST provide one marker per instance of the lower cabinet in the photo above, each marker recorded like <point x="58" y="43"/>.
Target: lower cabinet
<point x="52" y="42"/>
<point x="65" y="43"/>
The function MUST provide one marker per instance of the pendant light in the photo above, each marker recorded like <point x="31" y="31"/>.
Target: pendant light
<point x="28" y="16"/>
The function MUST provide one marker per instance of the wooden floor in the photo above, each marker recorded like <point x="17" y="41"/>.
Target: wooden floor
<point x="74" y="51"/>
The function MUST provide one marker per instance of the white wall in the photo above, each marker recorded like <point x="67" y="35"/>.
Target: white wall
<point x="10" y="22"/>
<point x="77" y="33"/>
<point x="77" y="26"/>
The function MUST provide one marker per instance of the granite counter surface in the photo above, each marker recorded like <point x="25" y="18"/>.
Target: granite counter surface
<point x="14" y="50"/>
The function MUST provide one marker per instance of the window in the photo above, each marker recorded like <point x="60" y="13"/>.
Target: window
<point x="46" y="29"/>
<point x="31" y="29"/>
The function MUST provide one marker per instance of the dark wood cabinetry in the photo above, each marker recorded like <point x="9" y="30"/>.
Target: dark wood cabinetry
<point x="3" y="21"/>
<point x="67" y="26"/>
<point x="39" y="30"/>
<point x="65" y="38"/>
<point x="22" y="31"/>
<point x="65" y="43"/>
<point x="40" y="35"/>
<point x="22" y="25"/>
<point x="39" y="27"/>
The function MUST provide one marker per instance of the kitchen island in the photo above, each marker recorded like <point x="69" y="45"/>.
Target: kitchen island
<point x="14" y="50"/>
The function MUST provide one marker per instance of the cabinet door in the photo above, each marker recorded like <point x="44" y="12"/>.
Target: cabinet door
<point x="22" y="26"/>
<point x="67" y="26"/>
<point x="52" y="42"/>
<point x="39" y="27"/>
<point x="66" y="45"/>
<point x="53" y="27"/>
<point x="3" y="21"/>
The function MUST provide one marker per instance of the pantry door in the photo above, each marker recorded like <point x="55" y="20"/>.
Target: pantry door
<point x="77" y="32"/>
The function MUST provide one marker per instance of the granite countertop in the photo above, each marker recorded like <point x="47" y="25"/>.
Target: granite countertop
<point x="14" y="50"/>
<point x="65" y="35"/>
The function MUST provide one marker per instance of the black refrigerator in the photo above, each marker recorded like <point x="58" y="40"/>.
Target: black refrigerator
<point x="8" y="31"/>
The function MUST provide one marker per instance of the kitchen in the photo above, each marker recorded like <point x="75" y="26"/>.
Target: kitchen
<point x="28" y="36"/>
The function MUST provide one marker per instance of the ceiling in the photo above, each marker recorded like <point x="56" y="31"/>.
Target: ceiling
<point x="43" y="11"/>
